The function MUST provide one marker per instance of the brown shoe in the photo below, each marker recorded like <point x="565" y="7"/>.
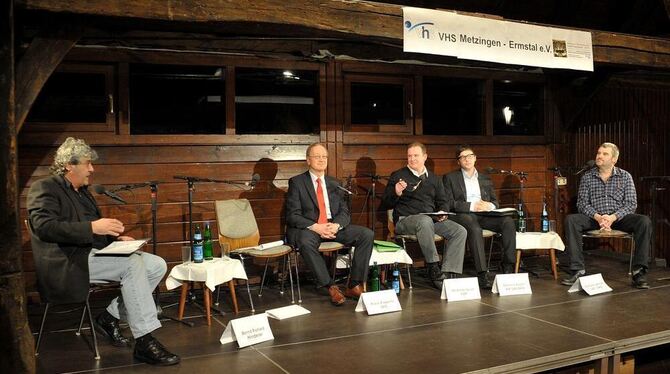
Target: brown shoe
<point x="336" y="296"/>
<point x="354" y="292"/>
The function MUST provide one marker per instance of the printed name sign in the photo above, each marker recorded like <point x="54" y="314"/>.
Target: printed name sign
<point x="592" y="284"/>
<point x="378" y="302"/>
<point x="248" y="331"/>
<point x="460" y="289"/>
<point x="511" y="284"/>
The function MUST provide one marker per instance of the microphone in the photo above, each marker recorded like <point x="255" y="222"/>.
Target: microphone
<point x="344" y="189"/>
<point x="133" y="186"/>
<point x="588" y="165"/>
<point x="254" y="180"/>
<point x="100" y="190"/>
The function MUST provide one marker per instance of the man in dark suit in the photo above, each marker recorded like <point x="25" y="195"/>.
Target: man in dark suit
<point x="316" y="212"/>
<point x="472" y="193"/>
<point x="67" y="231"/>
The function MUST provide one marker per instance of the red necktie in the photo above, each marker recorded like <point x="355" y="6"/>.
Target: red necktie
<point x="323" y="218"/>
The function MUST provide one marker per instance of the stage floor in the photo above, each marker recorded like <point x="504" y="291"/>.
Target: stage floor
<point x="530" y="333"/>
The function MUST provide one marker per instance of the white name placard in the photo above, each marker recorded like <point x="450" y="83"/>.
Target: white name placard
<point x="459" y="289"/>
<point x="248" y="331"/>
<point x="378" y="302"/>
<point x="591" y="284"/>
<point x="511" y="284"/>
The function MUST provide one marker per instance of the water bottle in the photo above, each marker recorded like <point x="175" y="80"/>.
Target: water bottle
<point x="374" y="279"/>
<point x="522" y="219"/>
<point x="396" y="279"/>
<point x="197" y="245"/>
<point x="545" y="218"/>
<point x="207" y="244"/>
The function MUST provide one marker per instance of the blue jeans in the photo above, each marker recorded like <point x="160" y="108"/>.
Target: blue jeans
<point x="139" y="274"/>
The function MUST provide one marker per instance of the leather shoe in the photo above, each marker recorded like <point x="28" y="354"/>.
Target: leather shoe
<point x="152" y="352"/>
<point x="573" y="278"/>
<point x="484" y="280"/>
<point x="336" y="296"/>
<point x="436" y="276"/>
<point x="508" y="268"/>
<point x="108" y="326"/>
<point x="354" y="292"/>
<point x="452" y="275"/>
<point x="640" y="279"/>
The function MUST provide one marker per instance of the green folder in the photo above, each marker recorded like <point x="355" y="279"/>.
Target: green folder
<point x="384" y="246"/>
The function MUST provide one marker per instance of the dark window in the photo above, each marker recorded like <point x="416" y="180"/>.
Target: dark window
<point x="453" y="106"/>
<point x="276" y="101"/>
<point x="377" y="104"/>
<point x="72" y="97"/>
<point x="517" y="108"/>
<point x="175" y="99"/>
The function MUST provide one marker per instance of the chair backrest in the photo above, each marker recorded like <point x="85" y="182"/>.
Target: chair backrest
<point x="389" y="224"/>
<point x="237" y="224"/>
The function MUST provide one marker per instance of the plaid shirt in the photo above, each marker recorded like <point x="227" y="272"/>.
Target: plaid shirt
<point x="617" y="195"/>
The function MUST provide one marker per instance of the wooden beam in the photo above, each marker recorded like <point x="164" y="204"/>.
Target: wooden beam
<point x="45" y="53"/>
<point x="16" y="341"/>
<point x="350" y="19"/>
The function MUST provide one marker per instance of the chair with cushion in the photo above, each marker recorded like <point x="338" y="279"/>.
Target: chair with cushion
<point x="238" y="232"/>
<point x="605" y="234"/>
<point x="94" y="287"/>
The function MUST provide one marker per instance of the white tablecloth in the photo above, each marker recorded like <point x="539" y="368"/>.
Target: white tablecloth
<point x="212" y="272"/>
<point x="539" y="240"/>
<point x="381" y="258"/>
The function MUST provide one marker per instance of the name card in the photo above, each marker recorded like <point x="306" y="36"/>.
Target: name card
<point x="592" y="284"/>
<point x="378" y="302"/>
<point x="459" y="289"/>
<point x="248" y="331"/>
<point x="511" y="284"/>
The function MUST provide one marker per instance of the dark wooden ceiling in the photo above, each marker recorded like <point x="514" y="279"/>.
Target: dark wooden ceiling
<point x="640" y="17"/>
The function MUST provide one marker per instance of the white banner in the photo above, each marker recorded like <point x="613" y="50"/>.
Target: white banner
<point x="475" y="38"/>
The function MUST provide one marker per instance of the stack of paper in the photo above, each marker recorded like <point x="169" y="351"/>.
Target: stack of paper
<point x="287" y="312"/>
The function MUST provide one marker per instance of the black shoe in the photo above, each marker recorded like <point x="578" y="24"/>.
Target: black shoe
<point x="435" y="275"/>
<point x="508" y="268"/>
<point x="152" y="352"/>
<point x="573" y="278"/>
<point x="484" y="280"/>
<point x="452" y="275"/>
<point x="108" y="326"/>
<point x="640" y="279"/>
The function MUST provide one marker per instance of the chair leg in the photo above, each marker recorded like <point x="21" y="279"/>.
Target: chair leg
<point x="630" y="261"/>
<point x="290" y="276"/>
<point x="552" y="257"/>
<point x="283" y="274"/>
<point x="518" y="261"/>
<point x="182" y="299"/>
<point x="251" y="301"/>
<point x="81" y="321"/>
<point x="488" y="263"/>
<point x="39" y="335"/>
<point x="90" y="323"/>
<point x="233" y="296"/>
<point x="267" y="261"/>
<point x="409" y="275"/>
<point x="297" y="277"/>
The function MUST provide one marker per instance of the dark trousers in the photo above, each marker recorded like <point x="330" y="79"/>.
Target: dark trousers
<point x="352" y="236"/>
<point x="637" y="224"/>
<point x="474" y="224"/>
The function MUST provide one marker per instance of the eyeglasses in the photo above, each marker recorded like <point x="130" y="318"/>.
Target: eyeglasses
<point x="319" y="157"/>
<point x="471" y="156"/>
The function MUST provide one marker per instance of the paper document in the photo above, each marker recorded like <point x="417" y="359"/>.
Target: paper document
<point x="439" y="213"/>
<point x="504" y="210"/>
<point x="261" y="247"/>
<point x="287" y="312"/>
<point x="123" y="247"/>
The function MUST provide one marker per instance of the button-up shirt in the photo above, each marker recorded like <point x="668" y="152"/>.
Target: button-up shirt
<point x="616" y="196"/>
<point x="473" y="193"/>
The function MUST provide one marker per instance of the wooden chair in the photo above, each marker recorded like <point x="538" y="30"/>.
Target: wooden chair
<point x="602" y="234"/>
<point x="238" y="231"/>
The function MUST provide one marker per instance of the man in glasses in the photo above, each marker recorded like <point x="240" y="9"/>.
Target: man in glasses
<point x="607" y="200"/>
<point x="413" y="190"/>
<point x="316" y="212"/>
<point x="472" y="195"/>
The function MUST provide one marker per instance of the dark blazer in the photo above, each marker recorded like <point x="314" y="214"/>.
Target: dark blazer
<point x="302" y="209"/>
<point x="454" y="186"/>
<point x="61" y="240"/>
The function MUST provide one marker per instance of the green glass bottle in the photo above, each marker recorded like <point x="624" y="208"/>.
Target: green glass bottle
<point x="374" y="278"/>
<point x="207" y="244"/>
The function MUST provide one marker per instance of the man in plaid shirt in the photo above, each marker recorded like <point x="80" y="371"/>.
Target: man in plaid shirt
<point x="606" y="201"/>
